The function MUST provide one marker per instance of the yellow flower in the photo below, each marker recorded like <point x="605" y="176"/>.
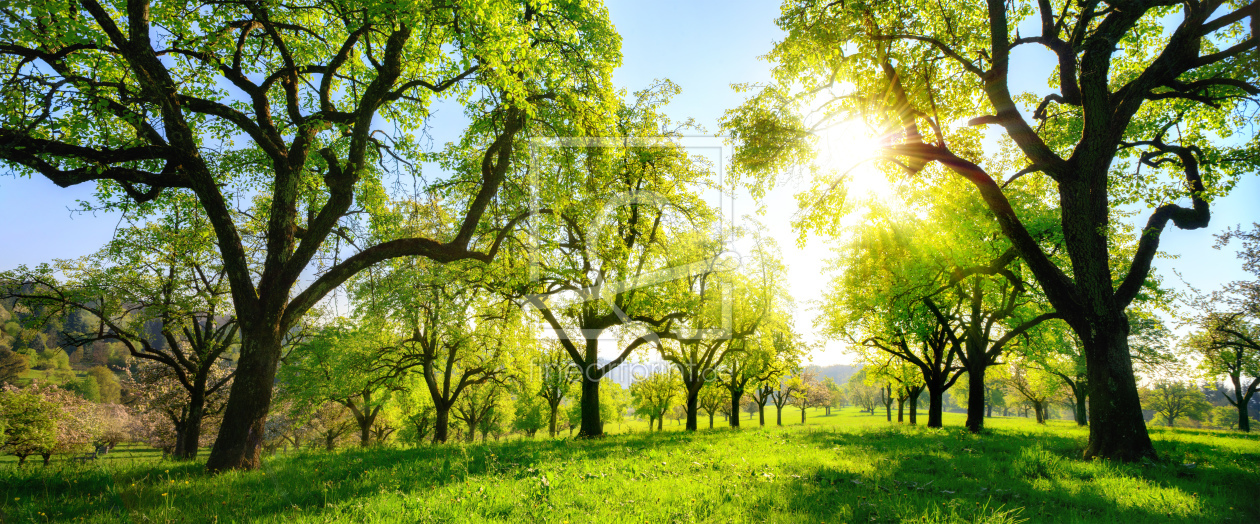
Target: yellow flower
<point x="163" y="494"/>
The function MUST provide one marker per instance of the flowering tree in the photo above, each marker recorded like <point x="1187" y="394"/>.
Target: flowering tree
<point x="44" y="420"/>
<point x="170" y="420"/>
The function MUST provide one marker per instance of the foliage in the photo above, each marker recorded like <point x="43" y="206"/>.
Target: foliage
<point x="654" y="394"/>
<point x="1171" y="400"/>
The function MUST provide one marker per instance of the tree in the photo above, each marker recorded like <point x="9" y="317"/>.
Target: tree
<point x="529" y="416"/>
<point x="331" y="421"/>
<point x="292" y="103"/>
<point x="863" y="395"/>
<point x="451" y="327"/>
<point x="1057" y="351"/>
<point x="618" y="215"/>
<point x="1116" y="113"/>
<point x="908" y="382"/>
<point x="558" y="376"/>
<point x="882" y="303"/>
<point x="613" y="403"/>
<point x="417" y="411"/>
<point x="784" y="394"/>
<point x="756" y="366"/>
<point x="44" y="420"/>
<point x="1228" y="336"/>
<point x="12" y="366"/>
<point x="701" y="344"/>
<point x="479" y="408"/>
<point x="357" y="364"/>
<point x="652" y="396"/>
<point x="159" y="290"/>
<point x="809" y="393"/>
<point x="107" y="382"/>
<point x="1172" y="400"/>
<point x="30" y="422"/>
<point x="1035" y="385"/>
<point x="710" y="399"/>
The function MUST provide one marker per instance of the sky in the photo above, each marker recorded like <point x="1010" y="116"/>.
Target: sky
<point x="704" y="47"/>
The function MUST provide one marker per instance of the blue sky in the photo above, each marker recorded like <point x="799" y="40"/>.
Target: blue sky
<point x="703" y="46"/>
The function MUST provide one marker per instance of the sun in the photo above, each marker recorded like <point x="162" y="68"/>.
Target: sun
<point x="847" y="152"/>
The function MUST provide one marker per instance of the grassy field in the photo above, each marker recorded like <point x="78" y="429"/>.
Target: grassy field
<point x="848" y="467"/>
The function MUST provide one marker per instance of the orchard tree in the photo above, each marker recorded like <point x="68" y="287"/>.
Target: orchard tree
<point x="12" y="366"/>
<point x="615" y="211"/>
<point x="1131" y="119"/>
<point x="652" y="396"/>
<point x="298" y="111"/>
<point x="1057" y="351"/>
<point x="907" y="384"/>
<point x="1228" y="327"/>
<point x="44" y="420"/>
<point x="160" y="290"/>
<point x="809" y="392"/>
<point x="1174" y="399"/>
<point x="863" y="395"/>
<point x="557" y="375"/>
<point x="1036" y="386"/>
<point x="481" y="408"/>
<point x="710" y="399"/>
<point x="355" y="363"/>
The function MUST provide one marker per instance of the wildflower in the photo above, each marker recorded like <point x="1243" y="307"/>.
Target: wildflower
<point x="163" y="494"/>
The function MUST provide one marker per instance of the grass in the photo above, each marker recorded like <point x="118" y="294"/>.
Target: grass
<point x="843" y="468"/>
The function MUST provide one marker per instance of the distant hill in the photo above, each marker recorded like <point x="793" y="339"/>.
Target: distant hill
<point x="839" y="372"/>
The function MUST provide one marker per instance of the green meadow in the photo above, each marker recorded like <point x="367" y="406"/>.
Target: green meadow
<point x="847" y="467"/>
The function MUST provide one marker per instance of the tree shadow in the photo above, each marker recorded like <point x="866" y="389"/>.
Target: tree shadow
<point x="304" y="481"/>
<point x="949" y="474"/>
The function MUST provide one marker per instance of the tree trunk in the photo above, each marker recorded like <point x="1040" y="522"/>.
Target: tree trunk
<point x="692" y="400"/>
<point x="189" y="435"/>
<point x="761" y="412"/>
<point x="802" y="414"/>
<point x="1241" y="401"/>
<point x="736" y="397"/>
<point x="1081" y="414"/>
<point x="441" y="423"/>
<point x="330" y="441"/>
<point x="1038" y="411"/>
<point x="660" y="423"/>
<point x="778" y="414"/>
<point x="592" y="427"/>
<point x="710" y="420"/>
<point x="888" y="409"/>
<point x="975" y="395"/>
<point x="935" y="401"/>
<point x="179" y="441"/>
<point x="1117" y="431"/>
<point x="186" y="446"/>
<point x="239" y="444"/>
<point x="365" y="432"/>
<point x="552" y="426"/>
<point x="901" y="410"/>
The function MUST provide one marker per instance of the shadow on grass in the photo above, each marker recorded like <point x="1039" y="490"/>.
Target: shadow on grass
<point x="302" y="481"/>
<point x="877" y="474"/>
<point x="948" y="475"/>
